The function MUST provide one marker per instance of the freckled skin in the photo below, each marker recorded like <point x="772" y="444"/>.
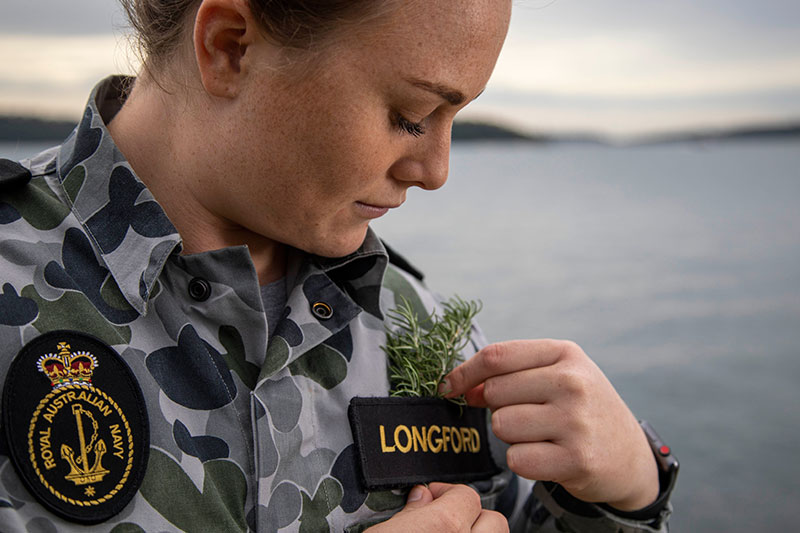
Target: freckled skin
<point x="328" y="130"/>
<point x="291" y="154"/>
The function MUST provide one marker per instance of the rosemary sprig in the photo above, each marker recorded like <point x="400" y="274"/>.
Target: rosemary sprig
<point x="422" y="351"/>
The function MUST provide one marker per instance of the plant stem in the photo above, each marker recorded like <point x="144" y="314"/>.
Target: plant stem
<point x="419" y="359"/>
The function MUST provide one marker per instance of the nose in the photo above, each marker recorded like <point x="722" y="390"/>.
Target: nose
<point x="425" y="165"/>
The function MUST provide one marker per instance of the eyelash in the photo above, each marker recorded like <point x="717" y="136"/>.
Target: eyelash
<point x="406" y="126"/>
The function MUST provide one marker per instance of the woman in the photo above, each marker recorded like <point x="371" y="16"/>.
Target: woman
<point x="207" y="227"/>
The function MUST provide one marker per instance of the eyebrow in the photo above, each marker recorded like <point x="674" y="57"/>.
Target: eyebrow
<point x="452" y="96"/>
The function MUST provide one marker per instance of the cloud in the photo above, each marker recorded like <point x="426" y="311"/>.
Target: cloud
<point x="53" y="75"/>
<point x="615" y="66"/>
<point x="59" y="17"/>
<point x="626" y="68"/>
<point x="621" y="116"/>
<point x="635" y="66"/>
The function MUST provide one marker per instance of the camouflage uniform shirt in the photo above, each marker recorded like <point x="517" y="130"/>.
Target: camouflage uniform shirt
<point x="246" y="433"/>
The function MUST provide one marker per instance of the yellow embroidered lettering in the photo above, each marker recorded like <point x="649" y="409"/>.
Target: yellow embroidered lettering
<point x="476" y="440"/>
<point x="455" y="436"/>
<point x="116" y="434"/>
<point x="420" y="439"/>
<point x="445" y="437"/>
<point x="467" y="439"/>
<point x="46" y="453"/>
<point x="384" y="447"/>
<point x="434" y="444"/>
<point x="404" y="429"/>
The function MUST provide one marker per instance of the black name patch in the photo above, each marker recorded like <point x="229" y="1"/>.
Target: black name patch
<point x="76" y="425"/>
<point x="406" y="441"/>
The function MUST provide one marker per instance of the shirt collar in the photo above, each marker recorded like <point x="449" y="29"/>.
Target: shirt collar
<point x="131" y="233"/>
<point x="371" y="247"/>
<point x="358" y="275"/>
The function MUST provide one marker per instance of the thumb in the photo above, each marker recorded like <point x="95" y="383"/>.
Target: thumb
<point x="419" y="496"/>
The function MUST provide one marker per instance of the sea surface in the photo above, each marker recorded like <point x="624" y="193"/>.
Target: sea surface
<point x="676" y="267"/>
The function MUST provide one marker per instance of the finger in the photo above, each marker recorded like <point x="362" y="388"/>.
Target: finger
<point x="418" y="496"/>
<point x="501" y="358"/>
<point x="532" y="385"/>
<point x="490" y="522"/>
<point x="545" y="461"/>
<point x="528" y="423"/>
<point x="461" y="503"/>
<point x="439" y="490"/>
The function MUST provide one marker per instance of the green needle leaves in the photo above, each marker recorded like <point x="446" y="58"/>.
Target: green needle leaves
<point x="422" y="351"/>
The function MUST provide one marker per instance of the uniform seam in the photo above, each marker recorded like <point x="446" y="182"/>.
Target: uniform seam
<point x="239" y="416"/>
<point x="321" y="485"/>
<point x="227" y="390"/>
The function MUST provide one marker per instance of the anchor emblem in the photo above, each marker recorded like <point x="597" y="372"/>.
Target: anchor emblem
<point x="80" y="473"/>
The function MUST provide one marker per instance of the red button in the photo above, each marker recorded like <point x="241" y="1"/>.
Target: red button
<point x="664" y="450"/>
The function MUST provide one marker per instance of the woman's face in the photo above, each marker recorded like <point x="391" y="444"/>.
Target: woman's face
<point x="319" y="150"/>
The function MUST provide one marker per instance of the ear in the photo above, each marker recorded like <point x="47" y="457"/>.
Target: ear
<point x="224" y="30"/>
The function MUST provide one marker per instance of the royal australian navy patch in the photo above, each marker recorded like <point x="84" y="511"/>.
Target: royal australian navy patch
<point x="76" y="426"/>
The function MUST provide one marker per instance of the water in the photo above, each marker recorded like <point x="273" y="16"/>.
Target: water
<point x="676" y="267"/>
<point x="20" y="150"/>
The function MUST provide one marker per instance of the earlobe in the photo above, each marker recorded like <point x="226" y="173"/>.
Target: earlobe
<point x="222" y="35"/>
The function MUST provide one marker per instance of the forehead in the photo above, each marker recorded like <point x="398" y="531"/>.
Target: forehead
<point x="452" y="18"/>
<point x="436" y="40"/>
<point x="451" y="26"/>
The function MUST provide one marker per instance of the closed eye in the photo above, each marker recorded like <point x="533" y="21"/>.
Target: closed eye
<point x="406" y="126"/>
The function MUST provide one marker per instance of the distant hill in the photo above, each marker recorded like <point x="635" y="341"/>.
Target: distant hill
<point x="17" y="129"/>
<point x="482" y="131"/>
<point x="33" y="129"/>
<point x="479" y="131"/>
<point x="746" y="133"/>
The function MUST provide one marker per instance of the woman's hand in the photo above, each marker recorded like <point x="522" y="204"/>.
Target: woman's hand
<point x="443" y="508"/>
<point x="563" y="420"/>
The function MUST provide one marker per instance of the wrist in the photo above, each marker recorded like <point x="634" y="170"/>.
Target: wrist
<point x="667" y="470"/>
<point x="638" y="500"/>
<point x="655" y="512"/>
<point x="642" y="480"/>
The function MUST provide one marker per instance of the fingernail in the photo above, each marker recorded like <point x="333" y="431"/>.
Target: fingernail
<point x="444" y="387"/>
<point x="415" y="494"/>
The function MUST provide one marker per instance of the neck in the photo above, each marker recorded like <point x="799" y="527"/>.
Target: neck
<point x="168" y="148"/>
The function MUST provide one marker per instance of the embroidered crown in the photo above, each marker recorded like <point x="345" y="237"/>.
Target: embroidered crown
<point x="68" y="368"/>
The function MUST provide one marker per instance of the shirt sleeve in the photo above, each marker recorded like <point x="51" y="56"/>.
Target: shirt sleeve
<point x="550" y="509"/>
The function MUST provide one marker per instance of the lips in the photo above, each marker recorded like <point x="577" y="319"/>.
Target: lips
<point x="381" y="206"/>
<point x="373" y="211"/>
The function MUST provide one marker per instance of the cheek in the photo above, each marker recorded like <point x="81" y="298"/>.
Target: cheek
<point x="327" y="150"/>
<point x="351" y="140"/>
<point x="352" y="162"/>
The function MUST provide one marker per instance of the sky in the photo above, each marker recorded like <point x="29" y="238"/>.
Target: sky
<point x="614" y="67"/>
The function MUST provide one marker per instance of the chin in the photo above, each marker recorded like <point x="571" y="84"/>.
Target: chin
<point x="339" y="246"/>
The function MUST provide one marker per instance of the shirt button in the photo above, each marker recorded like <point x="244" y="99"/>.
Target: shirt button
<point x="322" y="310"/>
<point x="199" y="289"/>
